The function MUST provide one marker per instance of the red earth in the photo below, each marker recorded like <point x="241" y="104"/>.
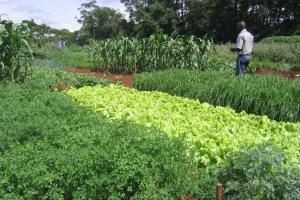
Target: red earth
<point x="125" y="79"/>
<point x="291" y="74"/>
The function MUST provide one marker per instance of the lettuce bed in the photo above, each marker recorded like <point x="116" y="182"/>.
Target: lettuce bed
<point x="211" y="132"/>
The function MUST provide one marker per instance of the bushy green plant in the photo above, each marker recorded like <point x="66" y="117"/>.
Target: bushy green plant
<point x="258" y="173"/>
<point x="58" y="80"/>
<point x="276" y="97"/>
<point x="149" y="54"/>
<point x="15" y="53"/>
<point x="51" y="148"/>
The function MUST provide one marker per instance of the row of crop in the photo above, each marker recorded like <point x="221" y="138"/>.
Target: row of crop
<point x="52" y="148"/>
<point x="213" y="132"/>
<point x="276" y="97"/>
<point x="154" y="53"/>
<point x="212" y="135"/>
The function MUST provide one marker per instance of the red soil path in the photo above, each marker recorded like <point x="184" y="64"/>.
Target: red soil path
<point x="291" y="74"/>
<point x="125" y="79"/>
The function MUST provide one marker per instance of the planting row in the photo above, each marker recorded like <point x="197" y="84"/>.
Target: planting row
<point x="125" y="144"/>
<point x="211" y="132"/>
<point x="149" y="54"/>
<point x="278" y="98"/>
<point x="53" y="149"/>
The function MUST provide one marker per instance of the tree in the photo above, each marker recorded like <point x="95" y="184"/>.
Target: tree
<point x="99" y="22"/>
<point x="153" y="16"/>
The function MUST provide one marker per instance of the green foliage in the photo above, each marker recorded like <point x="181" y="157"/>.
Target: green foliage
<point x="259" y="173"/>
<point x="276" y="97"/>
<point x="41" y="34"/>
<point x="211" y="132"/>
<point x="59" y="80"/>
<point x="15" y="53"/>
<point x="282" y="39"/>
<point x="277" y="56"/>
<point x="52" y="148"/>
<point x="154" y="53"/>
<point x="68" y="56"/>
<point x="280" y="53"/>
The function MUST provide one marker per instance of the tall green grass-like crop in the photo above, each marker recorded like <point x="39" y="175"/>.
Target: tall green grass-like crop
<point x="276" y="97"/>
<point x="15" y="53"/>
<point x="155" y="53"/>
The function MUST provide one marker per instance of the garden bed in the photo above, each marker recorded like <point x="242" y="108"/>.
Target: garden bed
<point x="126" y="79"/>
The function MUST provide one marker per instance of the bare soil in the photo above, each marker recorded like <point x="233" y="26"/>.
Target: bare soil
<point x="125" y="79"/>
<point x="290" y="74"/>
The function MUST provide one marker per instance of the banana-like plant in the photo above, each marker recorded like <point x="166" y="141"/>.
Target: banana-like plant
<point x="15" y="53"/>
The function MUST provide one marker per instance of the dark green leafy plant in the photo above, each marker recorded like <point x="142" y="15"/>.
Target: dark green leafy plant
<point x="51" y="148"/>
<point x="15" y="53"/>
<point x="58" y="80"/>
<point x="259" y="173"/>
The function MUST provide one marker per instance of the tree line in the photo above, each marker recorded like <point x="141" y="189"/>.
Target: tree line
<point x="212" y="18"/>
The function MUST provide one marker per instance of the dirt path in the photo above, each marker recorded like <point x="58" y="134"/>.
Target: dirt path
<point x="291" y="74"/>
<point x="125" y="79"/>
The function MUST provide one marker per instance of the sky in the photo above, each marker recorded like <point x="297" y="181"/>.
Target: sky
<point x="55" y="13"/>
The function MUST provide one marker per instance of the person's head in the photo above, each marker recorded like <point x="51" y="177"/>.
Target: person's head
<point x="241" y="25"/>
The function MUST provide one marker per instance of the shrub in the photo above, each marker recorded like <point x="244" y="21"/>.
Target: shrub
<point x="276" y="97"/>
<point x="259" y="173"/>
<point x="58" y="80"/>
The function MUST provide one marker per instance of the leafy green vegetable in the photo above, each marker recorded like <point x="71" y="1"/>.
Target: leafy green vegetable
<point x="58" y="80"/>
<point x="52" y="148"/>
<point x="211" y="132"/>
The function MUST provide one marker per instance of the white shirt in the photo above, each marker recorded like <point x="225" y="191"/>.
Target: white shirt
<point x="245" y="42"/>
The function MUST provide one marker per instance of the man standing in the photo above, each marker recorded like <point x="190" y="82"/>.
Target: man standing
<point x="244" y="48"/>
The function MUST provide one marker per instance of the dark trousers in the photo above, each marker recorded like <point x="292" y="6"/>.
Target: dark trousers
<point x="242" y="63"/>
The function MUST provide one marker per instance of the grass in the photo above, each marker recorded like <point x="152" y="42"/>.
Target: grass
<point x="70" y="56"/>
<point x="282" y="39"/>
<point x="275" y="56"/>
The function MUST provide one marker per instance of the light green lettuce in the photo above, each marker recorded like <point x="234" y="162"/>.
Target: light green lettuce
<point x="212" y="132"/>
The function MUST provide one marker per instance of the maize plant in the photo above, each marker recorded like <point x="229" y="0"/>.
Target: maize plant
<point x="150" y="54"/>
<point x="15" y="53"/>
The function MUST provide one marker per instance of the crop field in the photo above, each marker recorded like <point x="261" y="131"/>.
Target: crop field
<point x="182" y="123"/>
